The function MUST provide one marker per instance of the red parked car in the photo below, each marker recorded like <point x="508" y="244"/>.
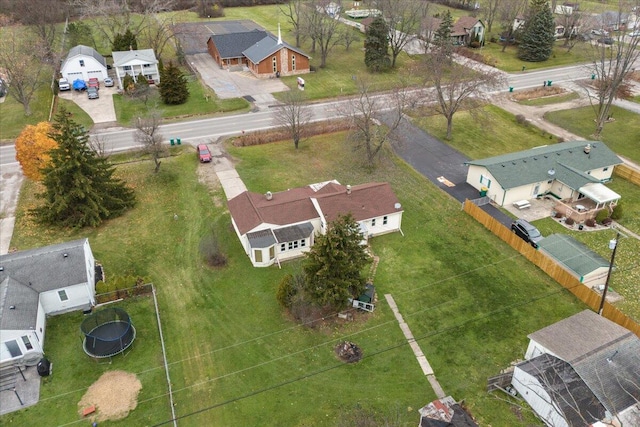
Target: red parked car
<point x="203" y="153"/>
<point x="94" y="82"/>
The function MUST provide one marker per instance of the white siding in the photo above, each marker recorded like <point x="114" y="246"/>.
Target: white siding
<point x="92" y="68"/>
<point x="530" y="390"/>
<point x="394" y="222"/>
<point x="479" y="176"/>
<point x="78" y="298"/>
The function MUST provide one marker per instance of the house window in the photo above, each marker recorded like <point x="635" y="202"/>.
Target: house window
<point x="257" y="254"/>
<point x="385" y="220"/>
<point x="127" y="68"/>
<point x="605" y="169"/>
<point x="275" y="64"/>
<point x="272" y="252"/>
<point x="293" y="62"/>
<point x="373" y="222"/>
<point x="146" y="65"/>
<point x="27" y="343"/>
<point x="486" y="181"/>
<point x="303" y="243"/>
<point x="283" y="247"/>
<point x="63" y="295"/>
<point x="82" y="62"/>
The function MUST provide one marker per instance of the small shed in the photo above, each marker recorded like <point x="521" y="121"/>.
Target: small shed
<point x="583" y="263"/>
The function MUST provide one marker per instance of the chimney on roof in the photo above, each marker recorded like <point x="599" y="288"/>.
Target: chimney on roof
<point x="348" y="189"/>
<point x="64" y="255"/>
<point x="587" y="149"/>
<point x="269" y="195"/>
<point x="279" y="35"/>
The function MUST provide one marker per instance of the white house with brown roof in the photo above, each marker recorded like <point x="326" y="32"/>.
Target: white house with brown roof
<point x="275" y="227"/>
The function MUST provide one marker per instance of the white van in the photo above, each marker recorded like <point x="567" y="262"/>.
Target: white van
<point x="63" y="84"/>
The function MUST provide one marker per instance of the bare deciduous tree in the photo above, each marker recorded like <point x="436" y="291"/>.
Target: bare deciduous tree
<point x="611" y="64"/>
<point x="321" y="28"/>
<point x="368" y="133"/>
<point x="98" y="144"/>
<point x="508" y="11"/>
<point x="490" y="12"/>
<point x="293" y="115"/>
<point x="456" y="85"/>
<point x="403" y="18"/>
<point x="293" y="12"/>
<point x="158" y="33"/>
<point x="147" y="133"/>
<point x="41" y="17"/>
<point x="24" y="62"/>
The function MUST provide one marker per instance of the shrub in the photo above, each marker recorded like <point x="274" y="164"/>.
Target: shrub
<point x="559" y="214"/>
<point x="602" y="215"/>
<point x="474" y="45"/>
<point x="569" y="221"/>
<point x="521" y="119"/>
<point x="607" y="221"/>
<point x="590" y="222"/>
<point x="286" y="291"/>
<point x="211" y="252"/>
<point x="617" y="212"/>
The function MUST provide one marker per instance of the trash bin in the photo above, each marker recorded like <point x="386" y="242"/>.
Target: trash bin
<point x="172" y="141"/>
<point x="44" y="367"/>
<point x="483" y="191"/>
<point x="178" y="141"/>
<point x="593" y="76"/>
<point x="510" y="88"/>
<point x="549" y="83"/>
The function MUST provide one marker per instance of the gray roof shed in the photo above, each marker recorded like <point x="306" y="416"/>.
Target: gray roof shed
<point x="572" y="254"/>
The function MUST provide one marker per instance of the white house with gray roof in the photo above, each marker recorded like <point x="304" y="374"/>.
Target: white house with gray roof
<point x="567" y="170"/>
<point x="38" y="283"/>
<point x="84" y="62"/>
<point x="584" y="264"/>
<point x="134" y="63"/>
<point x="582" y="371"/>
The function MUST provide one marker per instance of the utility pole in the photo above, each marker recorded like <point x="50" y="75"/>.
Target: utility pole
<point x="613" y="244"/>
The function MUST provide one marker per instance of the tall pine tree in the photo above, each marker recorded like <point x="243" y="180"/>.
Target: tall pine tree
<point x="334" y="264"/>
<point x="537" y="40"/>
<point x="442" y="37"/>
<point x="125" y="41"/>
<point x="173" y="85"/>
<point x="80" y="189"/>
<point x="376" y="45"/>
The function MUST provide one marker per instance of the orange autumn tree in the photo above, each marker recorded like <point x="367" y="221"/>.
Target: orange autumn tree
<point x="32" y="147"/>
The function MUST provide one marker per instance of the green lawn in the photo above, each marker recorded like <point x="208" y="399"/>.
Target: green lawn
<point x="471" y="130"/>
<point x="202" y="102"/>
<point x="621" y="135"/>
<point x="233" y="353"/>
<point x="12" y="118"/>
<point x="508" y="60"/>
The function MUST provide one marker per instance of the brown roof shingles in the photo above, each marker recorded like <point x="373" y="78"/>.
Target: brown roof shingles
<point x="250" y="210"/>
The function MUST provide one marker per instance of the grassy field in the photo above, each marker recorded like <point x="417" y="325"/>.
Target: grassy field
<point x="509" y="62"/>
<point x="202" y="102"/>
<point x="12" y="118"/>
<point x="621" y="135"/>
<point x="471" y="130"/>
<point x="233" y="353"/>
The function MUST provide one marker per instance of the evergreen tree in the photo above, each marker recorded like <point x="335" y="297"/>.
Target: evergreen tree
<point x="126" y="41"/>
<point x="537" y="40"/>
<point x="376" y="45"/>
<point x="80" y="189"/>
<point x="173" y="86"/>
<point x="334" y="264"/>
<point x="442" y="37"/>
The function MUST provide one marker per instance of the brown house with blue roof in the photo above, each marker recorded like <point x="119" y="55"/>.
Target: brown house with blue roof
<point x="245" y="44"/>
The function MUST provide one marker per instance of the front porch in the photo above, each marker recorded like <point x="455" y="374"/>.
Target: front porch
<point x="578" y="210"/>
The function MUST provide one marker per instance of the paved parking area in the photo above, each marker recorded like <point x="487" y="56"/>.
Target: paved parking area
<point x="100" y="110"/>
<point x="235" y="84"/>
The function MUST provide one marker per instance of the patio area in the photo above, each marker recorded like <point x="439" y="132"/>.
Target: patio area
<point x="540" y="208"/>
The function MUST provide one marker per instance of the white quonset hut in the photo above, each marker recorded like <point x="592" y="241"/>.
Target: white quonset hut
<point x="84" y="62"/>
<point x="37" y="283"/>
<point x="275" y="227"/>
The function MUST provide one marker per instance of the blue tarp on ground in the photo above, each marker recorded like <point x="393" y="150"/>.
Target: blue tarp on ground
<point x="79" y="84"/>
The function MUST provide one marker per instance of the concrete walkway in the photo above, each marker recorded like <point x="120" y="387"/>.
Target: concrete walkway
<point x="422" y="359"/>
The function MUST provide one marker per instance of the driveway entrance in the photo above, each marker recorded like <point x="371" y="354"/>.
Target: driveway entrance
<point x="100" y="110"/>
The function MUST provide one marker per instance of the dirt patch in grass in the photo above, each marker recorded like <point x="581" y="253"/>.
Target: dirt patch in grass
<point x="208" y="177"/>
<point x="114" y="395"/>
<point x="541" y="92"/>
<point x="348" y="352"/>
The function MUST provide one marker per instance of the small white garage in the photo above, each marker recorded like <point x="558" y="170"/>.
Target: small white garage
<point x="83" y="62"/>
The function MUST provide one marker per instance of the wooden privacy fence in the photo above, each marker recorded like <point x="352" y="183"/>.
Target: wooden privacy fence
<point x="624" y="171"/>
<point x="551" y="267"/>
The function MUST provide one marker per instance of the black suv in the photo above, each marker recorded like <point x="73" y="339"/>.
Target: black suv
<point x="526" y="232"/>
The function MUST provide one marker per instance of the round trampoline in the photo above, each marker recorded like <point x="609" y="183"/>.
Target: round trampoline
<point x="107" y="332"/>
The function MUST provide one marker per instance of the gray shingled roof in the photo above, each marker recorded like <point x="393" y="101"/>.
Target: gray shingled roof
<point x="261" y="238"/>
<point x="232" y="27"/>
<point x="266" y="47"/>
<point x="293" y="232"/>
<point x="231" y="45"/>
<point x="568" y="391"/>
<point x="86" y="51"/>
<point x="567" y="159"/>
<point x="24" y="301"/>
<point x="126" y="56"/>
<point x="571" y="253"/>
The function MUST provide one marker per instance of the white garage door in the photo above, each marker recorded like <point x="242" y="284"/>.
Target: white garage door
<point x="96" y="74"/>
<point x="74" y="76"/>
